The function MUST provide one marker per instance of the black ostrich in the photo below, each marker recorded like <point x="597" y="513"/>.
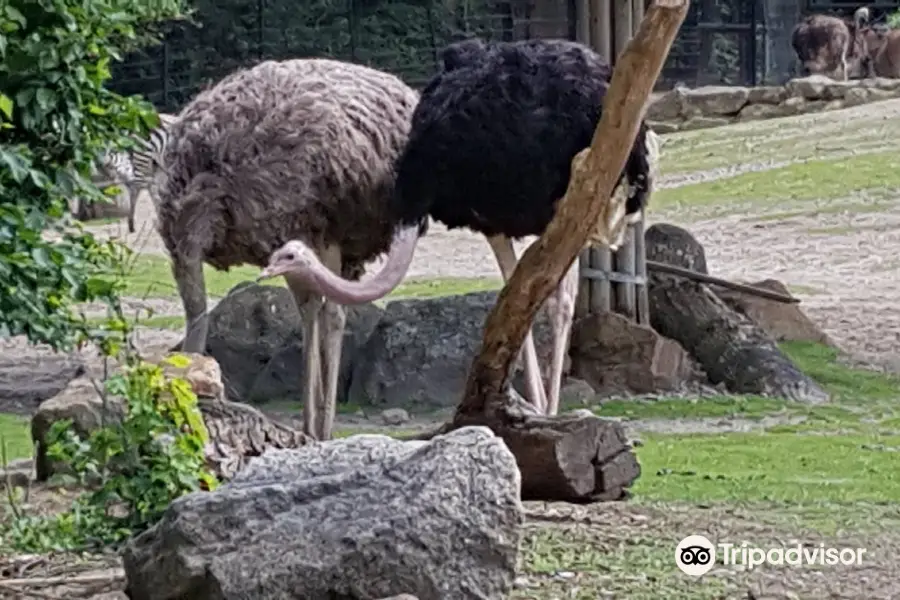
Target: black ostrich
<point x="491" y="147"/>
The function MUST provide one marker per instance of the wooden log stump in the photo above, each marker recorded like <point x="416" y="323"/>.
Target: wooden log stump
<point x="238" y="432"/>
<point x="574" y="458"/>
<point x="730" y="347"/>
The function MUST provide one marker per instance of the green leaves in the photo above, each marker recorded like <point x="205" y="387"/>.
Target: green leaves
<point x="6" y="106"/>
<point x="137" y="466"/>
<point x="56" y="116"/>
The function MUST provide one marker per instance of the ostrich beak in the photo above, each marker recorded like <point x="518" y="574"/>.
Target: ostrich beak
<point x="271" y="271"/>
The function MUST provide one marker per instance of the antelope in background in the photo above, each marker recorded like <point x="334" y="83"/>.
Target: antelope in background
<point x="834" y="46"/>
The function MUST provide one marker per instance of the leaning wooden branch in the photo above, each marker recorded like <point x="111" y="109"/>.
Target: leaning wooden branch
<point x="659" y="267"/>
<point x="569" y="457"/>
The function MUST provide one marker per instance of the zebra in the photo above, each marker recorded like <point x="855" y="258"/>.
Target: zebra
<point x="135" y="169"/>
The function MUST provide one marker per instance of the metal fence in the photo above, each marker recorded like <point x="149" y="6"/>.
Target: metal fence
<point x="391" y="35"/>
<point x="721" y="42"/>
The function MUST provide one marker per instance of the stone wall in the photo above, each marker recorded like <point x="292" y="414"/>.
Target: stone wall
<point x="682" y="109"/>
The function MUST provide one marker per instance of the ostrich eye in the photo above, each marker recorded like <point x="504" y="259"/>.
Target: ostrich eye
<point x="289" y="256"/>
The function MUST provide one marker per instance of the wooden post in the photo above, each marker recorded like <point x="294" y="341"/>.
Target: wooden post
<point x="624" y="27"/>
<point x="600" y="29"/>
<point x="583" y="301"/>
<point x="637" y="11"/>
<point x="640" y="251"/>
<point x="625" y="264"/>
<point x="601" y="290"/>
<point x="583" y="22"/>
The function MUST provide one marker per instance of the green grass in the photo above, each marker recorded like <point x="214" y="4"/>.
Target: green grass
<point x="769" y="467"/>
<point x="854" y="393"/>
<point x="693" y="408"/>
<point x="637" y="566"/>
<point x="832" y="208"/>
<point x="843" y="453"/>
<point x="778" y="139"/>
<point x="151" y="277"/>
<point x="15" y="435"/>
<point x="814" y="180"/>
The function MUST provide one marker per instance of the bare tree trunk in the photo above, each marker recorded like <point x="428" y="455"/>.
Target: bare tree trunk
<point x="570" y="457"/>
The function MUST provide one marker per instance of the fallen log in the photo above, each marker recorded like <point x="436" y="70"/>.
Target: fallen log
<point x="570" y="457"/>
<point x="730" y="347"/>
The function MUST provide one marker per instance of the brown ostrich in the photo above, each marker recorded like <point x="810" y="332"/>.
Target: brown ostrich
<point x="292" y="150"/>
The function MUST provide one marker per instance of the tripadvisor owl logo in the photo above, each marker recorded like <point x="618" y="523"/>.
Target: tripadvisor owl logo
<point x="695" y="555"/>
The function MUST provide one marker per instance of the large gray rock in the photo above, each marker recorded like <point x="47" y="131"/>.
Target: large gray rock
<point x="420" y="352"/>
<point x="362" y="517"/>
<point x="26" y="381"/>
<point x="256" y="336"/>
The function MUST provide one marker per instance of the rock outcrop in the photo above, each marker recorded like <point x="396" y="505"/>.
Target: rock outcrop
<point x="362" y="517"/>
<point x="710" y="106"/>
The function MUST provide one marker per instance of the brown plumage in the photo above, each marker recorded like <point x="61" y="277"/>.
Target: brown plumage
<point x="884" y="51"/>
<point x="301" y="150"/>
<point x="832" y="46"/>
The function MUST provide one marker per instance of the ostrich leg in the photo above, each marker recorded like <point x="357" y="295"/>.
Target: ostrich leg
<point x="188" y="275"/>
<point x="309" y="305"/>
<point x="332" y="320"/>
<point x="561" y="307"/>
<point x="506" y="259"/>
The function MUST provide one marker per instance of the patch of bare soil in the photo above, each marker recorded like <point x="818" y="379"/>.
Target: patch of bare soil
<point x="843" y="266"/>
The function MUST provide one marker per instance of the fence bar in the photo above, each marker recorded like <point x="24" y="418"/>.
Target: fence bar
<point x="624" y="262"/>
<point x="623" y="24"/>
<point x="601" y="259"/>
<point x="637" y="11"/>
<point x="601" y="28"/>
<point x="583" y="300"/>
<point x="164" y="74"/>
<point x="583" y="22"/>
<point x="640" y="252"/>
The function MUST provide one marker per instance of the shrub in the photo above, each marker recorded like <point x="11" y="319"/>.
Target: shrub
<point x="56" y="117"/>
<point x="133" y="469"/>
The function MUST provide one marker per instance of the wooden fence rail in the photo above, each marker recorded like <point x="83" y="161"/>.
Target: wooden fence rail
<point x="616" y="281"/>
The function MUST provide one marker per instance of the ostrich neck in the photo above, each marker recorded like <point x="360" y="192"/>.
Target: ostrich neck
<point x="343" y="291"/>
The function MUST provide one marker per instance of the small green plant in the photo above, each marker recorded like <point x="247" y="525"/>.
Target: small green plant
<point x="133" y="469"/>
<point x="57" y="116"/>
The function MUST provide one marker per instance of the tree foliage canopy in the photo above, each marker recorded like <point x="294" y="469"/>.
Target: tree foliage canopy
<point x="56" y="117"/>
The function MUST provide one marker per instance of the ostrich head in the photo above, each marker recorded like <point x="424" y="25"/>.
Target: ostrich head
<point x="298" y="261"/>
